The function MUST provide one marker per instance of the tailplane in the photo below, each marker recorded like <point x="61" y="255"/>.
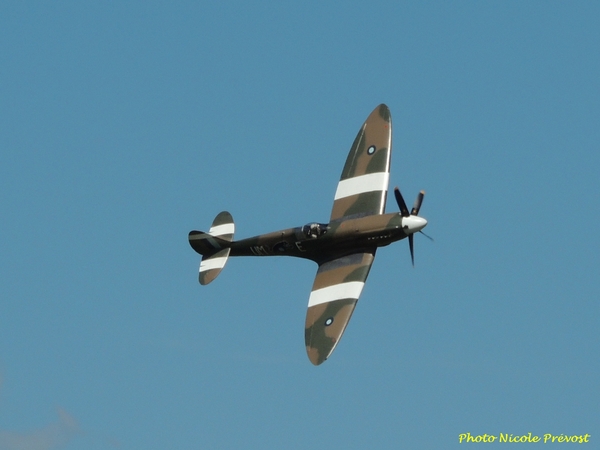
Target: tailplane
<point x="214" y="246"/>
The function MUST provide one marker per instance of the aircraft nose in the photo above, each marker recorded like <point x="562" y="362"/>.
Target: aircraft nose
<point x="412" y="224"/>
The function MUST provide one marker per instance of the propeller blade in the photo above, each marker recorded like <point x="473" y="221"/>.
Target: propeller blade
<point x="427" y="236"/>
<point x="401" y="202"/>
<point x="417" y="205"/>
<point x="411" y="245"/>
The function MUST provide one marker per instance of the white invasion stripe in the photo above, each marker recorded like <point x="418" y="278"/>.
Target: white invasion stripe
<point x="220" y="230"/>
<point x="352" y="289"/>
<point x="365" y="183"/>
<point x="213" y="263"/>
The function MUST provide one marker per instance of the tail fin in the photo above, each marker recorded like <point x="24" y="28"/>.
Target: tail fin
<point x="213" y="246"/>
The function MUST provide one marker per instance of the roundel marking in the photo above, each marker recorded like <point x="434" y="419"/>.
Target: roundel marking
<point x="329" y="321"/>
<point x="371" y="149"/>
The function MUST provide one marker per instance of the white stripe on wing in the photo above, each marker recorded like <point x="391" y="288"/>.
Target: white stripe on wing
<point x="364" y="183"/>
<point x="351" y="289"/>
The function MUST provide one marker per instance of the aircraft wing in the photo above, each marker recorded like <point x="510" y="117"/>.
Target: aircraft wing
<point x="336" y="290"/>
<point x="362" y="189"/>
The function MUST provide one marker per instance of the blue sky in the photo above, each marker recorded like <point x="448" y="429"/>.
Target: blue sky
<point x="125" y="125"/>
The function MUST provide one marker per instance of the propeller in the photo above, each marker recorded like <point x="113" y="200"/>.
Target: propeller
<point x="414" y="212"/>
<point x="417" y="205"/>
<point x="401" y="202"/>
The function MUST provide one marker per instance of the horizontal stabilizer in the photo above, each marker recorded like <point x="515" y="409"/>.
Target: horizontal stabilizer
<point x="211" y="266"/>
<point x="223" y="226"/>
<point x="214" y="246"/>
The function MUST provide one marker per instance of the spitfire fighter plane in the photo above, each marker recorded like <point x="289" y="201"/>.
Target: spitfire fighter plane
<point x="344" y="248"/>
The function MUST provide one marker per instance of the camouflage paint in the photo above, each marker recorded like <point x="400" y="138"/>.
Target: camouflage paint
<point x="326" y="322"/>
<point x="345" y="249"/>
<point x="219" y="236"/>
<point x="370" y="153"/>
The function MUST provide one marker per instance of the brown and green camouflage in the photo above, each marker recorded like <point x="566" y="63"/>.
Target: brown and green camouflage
<point x="344" y="248"/>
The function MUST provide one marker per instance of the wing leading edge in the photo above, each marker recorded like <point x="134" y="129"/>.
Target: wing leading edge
<point x="362" y="189"/>
<point x="334" y="295"/>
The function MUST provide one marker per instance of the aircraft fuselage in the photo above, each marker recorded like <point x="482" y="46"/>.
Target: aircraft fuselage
<point x="318" y="242"/>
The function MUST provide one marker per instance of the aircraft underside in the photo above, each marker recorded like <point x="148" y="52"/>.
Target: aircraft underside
<point x="344" y="248"/>
<point x="294" y="242"/>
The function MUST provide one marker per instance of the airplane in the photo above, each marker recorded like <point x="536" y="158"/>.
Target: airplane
<point x="344" y="248"/>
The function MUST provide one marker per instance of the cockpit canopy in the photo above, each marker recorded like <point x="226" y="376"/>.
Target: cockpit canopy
<point x="314" y="230"/>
